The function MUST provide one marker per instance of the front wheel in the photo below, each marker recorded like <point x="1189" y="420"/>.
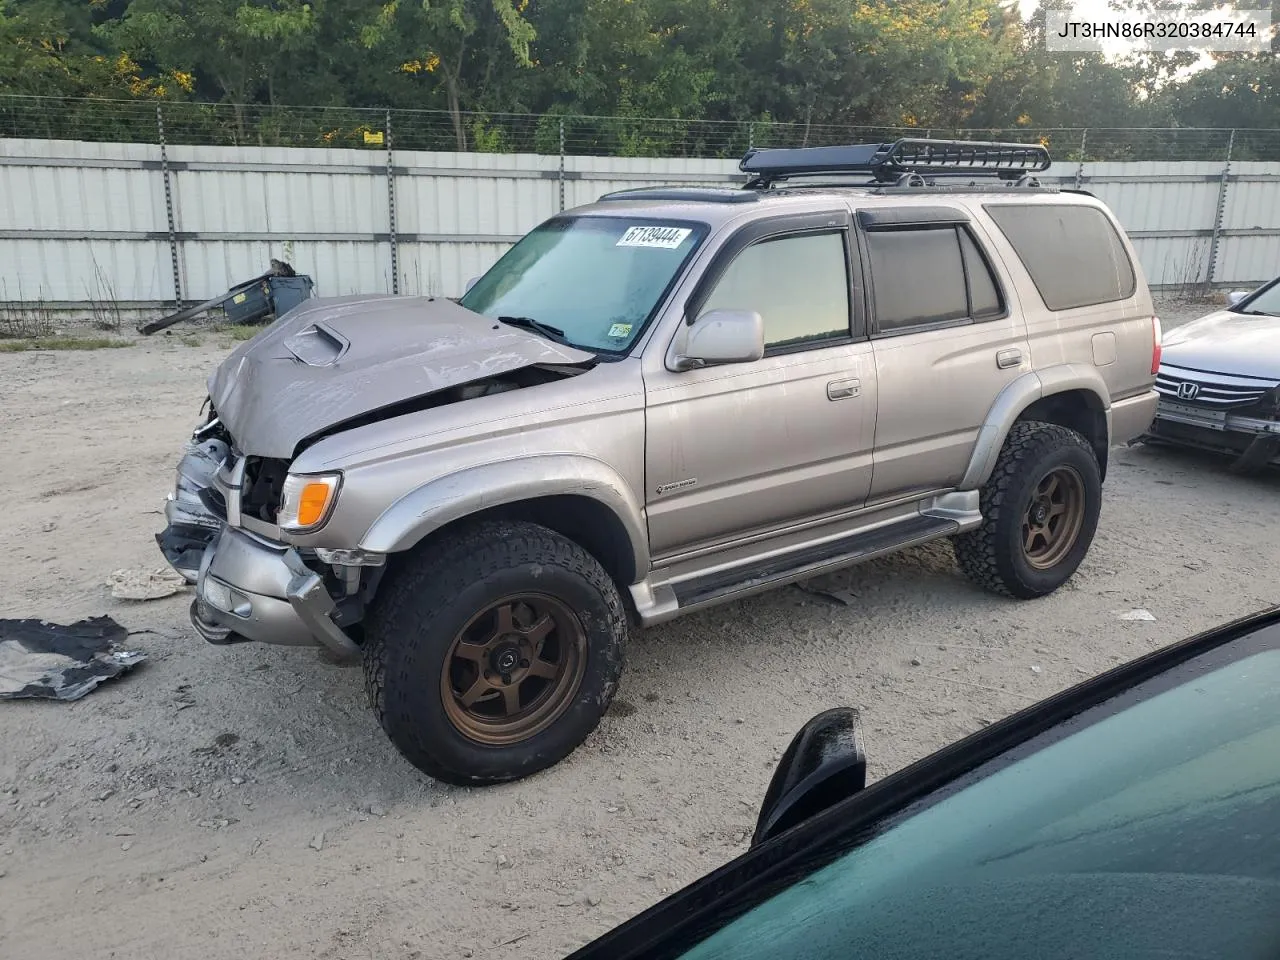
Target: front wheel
<point x="1040" y="511"/>
<point x="495" y="654"/>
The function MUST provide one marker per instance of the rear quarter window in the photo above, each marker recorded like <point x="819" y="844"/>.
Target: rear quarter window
<point x="1073" y="253"/>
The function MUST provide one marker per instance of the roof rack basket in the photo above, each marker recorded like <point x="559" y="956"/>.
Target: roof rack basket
<point x="887" y="162"/>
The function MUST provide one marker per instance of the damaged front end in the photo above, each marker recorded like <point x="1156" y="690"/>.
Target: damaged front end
<point x="1235" y="416"/>
<point x="191" y="510"/>
<point x="328" y="367"/>
<point x="250" y="585"/>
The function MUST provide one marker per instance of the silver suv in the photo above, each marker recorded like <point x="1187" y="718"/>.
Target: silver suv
<point x="668" y="399"/>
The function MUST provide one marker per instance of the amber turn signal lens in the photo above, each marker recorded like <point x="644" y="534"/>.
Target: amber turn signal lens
<point x="307" y="501"/>
<point x="312" y="503"/>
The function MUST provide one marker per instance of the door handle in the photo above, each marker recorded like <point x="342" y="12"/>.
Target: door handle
<point x="844" y="389"/>
<point x="1008" y="358"/>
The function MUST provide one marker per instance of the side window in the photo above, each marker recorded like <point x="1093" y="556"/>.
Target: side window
<point x="1073" y="253"/>
<point x="984" y="297"/>
<point x="930" y="275"/>
<point x="799" y="284"/>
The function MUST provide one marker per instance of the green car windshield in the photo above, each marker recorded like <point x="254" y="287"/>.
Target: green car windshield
<point x="598" y="280"/>
<point x="1151" y="833"/>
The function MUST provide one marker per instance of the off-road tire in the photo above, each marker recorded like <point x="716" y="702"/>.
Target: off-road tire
<point x="420" y="609"/>
<point x="993" y="554"/>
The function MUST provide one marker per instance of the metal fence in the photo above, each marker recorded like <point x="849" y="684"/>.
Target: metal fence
<point x="183" y="211"/>
<point x="220" y="124"/>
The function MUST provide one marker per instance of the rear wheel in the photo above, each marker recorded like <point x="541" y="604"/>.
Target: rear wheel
<point x="1040" y="512"/>
<point x="494" y="655"/>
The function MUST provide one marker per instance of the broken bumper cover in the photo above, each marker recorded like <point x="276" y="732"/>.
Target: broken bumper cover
<point x="252" y="589"/>
<point x="192" y="525"/>
<point x="247" y="587"/>
<point x="1216" y="430"/>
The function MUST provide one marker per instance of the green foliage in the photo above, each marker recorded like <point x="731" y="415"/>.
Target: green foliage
<point x="721" y="74"/>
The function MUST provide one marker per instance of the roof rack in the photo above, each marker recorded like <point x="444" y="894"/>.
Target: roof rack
<point x="888" y="162"/>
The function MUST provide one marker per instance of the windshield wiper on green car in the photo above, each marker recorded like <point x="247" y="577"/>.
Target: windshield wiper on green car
<point x="537" y="326"/>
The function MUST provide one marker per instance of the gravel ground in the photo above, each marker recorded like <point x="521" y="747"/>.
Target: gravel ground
<point x="232" y="802"/>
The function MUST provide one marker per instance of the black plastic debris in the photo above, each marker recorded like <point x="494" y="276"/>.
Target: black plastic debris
<point x="56" y="662"/>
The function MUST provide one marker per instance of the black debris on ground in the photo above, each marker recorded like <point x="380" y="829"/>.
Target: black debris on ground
<point x="61" y="662"/>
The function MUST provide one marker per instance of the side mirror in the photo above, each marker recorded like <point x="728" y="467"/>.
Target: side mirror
<point x="471" y="283"/>
<point x="1235" y="296"/>
<point x="724" y="336"/>
<point x="824" y="764"/>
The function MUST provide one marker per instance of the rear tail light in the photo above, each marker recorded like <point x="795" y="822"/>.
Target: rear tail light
<point x="1157" y="336"/>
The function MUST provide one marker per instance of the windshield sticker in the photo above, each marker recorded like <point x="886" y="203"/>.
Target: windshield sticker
<point x="620" y="330"/>
<point x="663" y="238"/>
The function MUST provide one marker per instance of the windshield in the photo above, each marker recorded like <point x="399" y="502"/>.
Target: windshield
<point x="596" y="280"/>
<point x="1268" y="302"/>
<point x="1150" y="833"/>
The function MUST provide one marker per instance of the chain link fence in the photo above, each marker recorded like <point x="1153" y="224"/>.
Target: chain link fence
<point x="140" y="121"/>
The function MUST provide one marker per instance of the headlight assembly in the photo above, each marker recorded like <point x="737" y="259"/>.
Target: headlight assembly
<point x="307" y="501"/>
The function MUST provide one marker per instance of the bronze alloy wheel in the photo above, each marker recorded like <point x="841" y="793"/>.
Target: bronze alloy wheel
<point x="513" y="669"/>
<point x="1053" y="518"/>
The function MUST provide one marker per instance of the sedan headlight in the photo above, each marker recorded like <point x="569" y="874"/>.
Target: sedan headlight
<point x="307" y="500"/>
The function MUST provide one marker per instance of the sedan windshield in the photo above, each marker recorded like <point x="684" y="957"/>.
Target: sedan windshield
<point x="592" y="282"/>
<point x="1266" y="303"/>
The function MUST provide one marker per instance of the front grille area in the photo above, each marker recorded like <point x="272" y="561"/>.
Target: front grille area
<point x="1219" y="441"/>
<point x="1214" y="391"/>
<point x="263" y="486"/>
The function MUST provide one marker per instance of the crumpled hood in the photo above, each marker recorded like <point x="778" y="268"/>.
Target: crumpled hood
<point x="1237" y="344"/>
<point x="330" y="360"/>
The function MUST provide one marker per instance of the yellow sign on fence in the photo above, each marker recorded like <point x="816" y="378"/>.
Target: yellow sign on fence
<point x="373" y="138"/>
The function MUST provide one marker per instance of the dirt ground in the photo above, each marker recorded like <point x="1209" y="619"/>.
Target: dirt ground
<point x="232" y="802"/>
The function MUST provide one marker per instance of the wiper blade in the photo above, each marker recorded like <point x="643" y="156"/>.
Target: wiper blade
<point x="1257" y="313"/>
<point x="537" y="326"/>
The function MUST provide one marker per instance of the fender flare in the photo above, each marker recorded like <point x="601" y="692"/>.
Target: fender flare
<point x="455" y="496"/>
<point x="1017" y="397"/>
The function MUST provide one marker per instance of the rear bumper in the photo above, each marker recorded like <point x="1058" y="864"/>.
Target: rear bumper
<point x="1130" y="418"/>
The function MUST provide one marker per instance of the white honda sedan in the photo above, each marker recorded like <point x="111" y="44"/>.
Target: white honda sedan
<point x="1219" y="382"/>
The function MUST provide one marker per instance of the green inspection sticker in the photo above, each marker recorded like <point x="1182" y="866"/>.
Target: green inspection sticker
<point x="620" y="330"/>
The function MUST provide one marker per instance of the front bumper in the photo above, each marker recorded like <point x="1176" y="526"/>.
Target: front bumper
<point x="192" y="524"/>
<point x="247" y="586"/>
<point x="1216" y="430"/>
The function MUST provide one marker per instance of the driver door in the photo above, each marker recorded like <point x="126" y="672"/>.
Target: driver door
<point x="750" y="448"/>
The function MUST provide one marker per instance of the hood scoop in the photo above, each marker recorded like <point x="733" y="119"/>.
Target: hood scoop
<point x="318" y="345"/>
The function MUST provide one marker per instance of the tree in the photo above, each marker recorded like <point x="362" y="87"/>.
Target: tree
<point x="1044" y="90"/>
<point x="231" y="47"/>
<point x="440" y="39"/>
<point x="47" y="48"/>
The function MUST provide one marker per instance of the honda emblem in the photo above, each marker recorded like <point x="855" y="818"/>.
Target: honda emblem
<point x="1188" y="391"/>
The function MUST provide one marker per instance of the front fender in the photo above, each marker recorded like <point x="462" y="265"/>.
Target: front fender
<point x="433" y="505"/>
<point x="1015" y="398"/>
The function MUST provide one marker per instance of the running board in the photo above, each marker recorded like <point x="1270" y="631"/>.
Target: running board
<point x="810" y="561"/>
